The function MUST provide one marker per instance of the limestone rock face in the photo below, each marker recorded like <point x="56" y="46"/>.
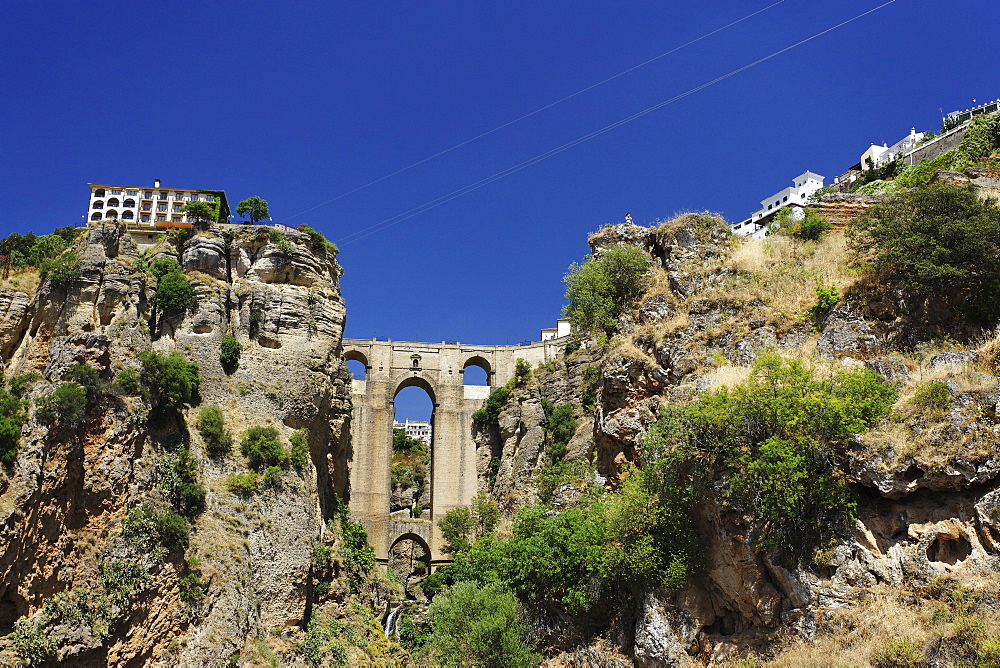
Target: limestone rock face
<point x="63" y="503"/>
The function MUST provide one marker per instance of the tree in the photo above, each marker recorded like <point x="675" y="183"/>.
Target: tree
<point x="261" y="447"/>
<point x="212" y="427"/>
<point x="253" y="208"/>
<point x="938" y="242"/>
<point x="173" y="379"/>
<point x="479" y="626"/>
<point x="602" y="289"/>
<point x="174" y="291"/>
<point x="401" y="442"/>
<point x="201" y="212"/>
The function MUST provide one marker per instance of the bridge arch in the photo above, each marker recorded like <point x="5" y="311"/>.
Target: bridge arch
<point x="479" y="362"/>
<point x="417" y="381"/>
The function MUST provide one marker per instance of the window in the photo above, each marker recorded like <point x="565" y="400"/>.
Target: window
<point x="148" y="194"/>
<point x="146" y="206"/>
<point x="116" y="192"/>
<point x="179" y="196"/>
<point x="145" y="217"/>
<point x="177" y="208"/>
<point x="770" y="206"/>
<point x="785" y="199"/>
<point x="98" y="204"/>
<point x="132" y="193"/>
<point x="160" y="217"/>
<point x="163" y="195"/>
<point x="96" y="216"/>
<point x="161" y="207"/>
<point x="99" y="192"/>
<point x="176" y="219"/>
<point x="195" y="198"/>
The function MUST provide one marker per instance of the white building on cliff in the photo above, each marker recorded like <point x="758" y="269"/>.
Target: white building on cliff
<point x="155" y="207"/>
<point x="795" y="196"/>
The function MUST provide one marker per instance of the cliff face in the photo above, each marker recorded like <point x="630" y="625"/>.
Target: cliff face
<point x="64" y="500"/>
<point x="925" y="480"/>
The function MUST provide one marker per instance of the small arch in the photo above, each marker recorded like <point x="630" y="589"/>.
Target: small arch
<point x="113" y="201"/>
<point x="96" y="216"/>
<point x="110" y="213"/>
<point x="127" y="215"/>
<point x="480" y="374"/>
<point x="417" y="381"/>
<point x="357" y="363"/>
<point x="98" y="204"/>
<point x="129" y="203"/>
<point x="99" y="192"/>
<point x="415" y="537"/>
<point x="410" y="561"/>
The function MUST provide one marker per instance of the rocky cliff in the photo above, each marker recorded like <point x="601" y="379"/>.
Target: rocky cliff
<point x="79" y="585"/>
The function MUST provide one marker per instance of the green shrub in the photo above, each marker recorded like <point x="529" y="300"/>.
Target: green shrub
<point x="261" y="447"/>
<point x="18" y="385"/>
<point x="826" y="299"/>
<point x="811" y="227"/>
<point x="560" y="427"/>
<point x="461" y="527"/>
<point x="173" y="530"/>
<point x="318" y="242"/>
<point x="488" y="416"/>
<point x="192" y="584"/>
<point x="62" y="270"/>
<point x="298" y="456"/>
<point x="67" y="405"/>
<point x="321" y="555"/>
<point x="401" y="442"/>
<point x="588" y="396"/>
<point x="128" y="383"/>
<point x="359" y="556"/>
<point x="600" y="290"/>
<point x="898" y="653"/>
<point x="932" y="394"/>
<point x="89" y="379"/>
<point x="13" y="415"/>
<point x="212" y="428"/>
<point x="522" y="372"/>
<point x="229" y="353"/>
<point x="162" y="266"/>
<point x="174" y="292"/>
<point x="938" y="243"/>
<point x="179" y="479"/>
<point x="124" y="579"/>
<point x="479" y="626"/>
<point x="173" y="380"/>
<point x="31" y="642"/>
<point x="244" y="485"/>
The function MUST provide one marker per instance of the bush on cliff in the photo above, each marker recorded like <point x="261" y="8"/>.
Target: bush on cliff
<point x="212" y="427"/>
<point x="175" y="292"/>
<point x="173" y="380"/>
<point x="601" y="289"/>
<point x="937" y="243"/>
<point x="67" y="405"/>
<point x="229" y="353"/>
<point x="12" y="418"/>
<point x="262" y="448"/>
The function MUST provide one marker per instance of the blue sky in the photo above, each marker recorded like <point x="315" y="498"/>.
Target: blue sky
<point x="301" y="103"/>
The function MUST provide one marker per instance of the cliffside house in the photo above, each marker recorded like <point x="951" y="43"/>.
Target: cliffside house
<point x="419" y="429"/>
<point x="561" y="329"/>
<point x="149" y="207"/>
<point x="796" y="196"/>
<point x="877" y="156"/>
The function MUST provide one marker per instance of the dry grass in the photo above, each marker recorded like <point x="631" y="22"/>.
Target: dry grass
<point x="728" y="376"/>
<point x="23" y="280"/>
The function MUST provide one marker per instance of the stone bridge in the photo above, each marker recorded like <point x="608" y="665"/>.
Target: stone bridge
<point x="437" y="368"/>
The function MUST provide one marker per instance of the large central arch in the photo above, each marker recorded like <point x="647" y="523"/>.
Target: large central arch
<point x="437" y="368"/>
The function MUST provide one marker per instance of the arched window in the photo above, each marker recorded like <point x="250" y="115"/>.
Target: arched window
<point x="357" y="363"/>
<point x="476" y="371"/>
<point x="113" y="201"/>
<point x="96" y="216"/>
<point x="127" y="215"/>
<point x="111" y="213"/>
<point x="413" y="419"/>
<point x="129" y="203"/>
<point x="98" y="204"/>
<point x="99" y="192"/>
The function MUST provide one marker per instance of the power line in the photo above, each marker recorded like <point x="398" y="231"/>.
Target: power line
<point x="427" y="206"/>
<point x="532" y="113"/>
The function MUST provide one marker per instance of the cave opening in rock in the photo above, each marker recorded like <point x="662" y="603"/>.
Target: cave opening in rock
<point x="949" y="549"/>
<point x="409" y="561"/>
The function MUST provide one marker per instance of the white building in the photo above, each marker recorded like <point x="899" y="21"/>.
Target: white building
<point x="420" y="429"/>
<point x="877" y="156"/>
<point x="156" y="206"/>
<point x="795" y="196"/>
<point x="561" y="329"/>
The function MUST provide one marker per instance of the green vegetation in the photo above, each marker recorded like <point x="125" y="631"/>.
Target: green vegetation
<point x="588" y="396"/>
<point x="934" y="394"/>
<point x="212" y="428"/>
<point x="810" y="228"/>
<point x="67" y="405"/>
<point x="601" y="290"/>
<point x="299" y="453"/>
<point x="162" y="266"/>
<point x="179" y="479"/>
<point x="253" y="208"/>
<point x="982" y="137"/>
<point x="278" y="239"/>
<point x="826" y="299"/>
<point x="322" y="645"/>
<point x="61" y="270"/>
<point x="229" y="353"/>
<point x="488" y="416"/>
<point x="262" y="447"/>
<point x="18" y="385"/>
<point x="31" y="642"/>
<point x="522" y="372"/>
<point x="244" y="485"/>
<point x="173" y="380"/>
<point x="124" y="579"/>
<point x="318" y="242"/>
<point x="461" y="527"/>
<point x="939" y="242"/>
<point x="145" y="528"/>
<point x="192" y="584"/>
<point x="174" y="291"/>
<point x="128" y="383"/>
<point x="560" y="427"/>
<point x="479" y="627"/>
<point x="408" y="444"/>
<point x="764" y="449"/>
<point x="28" y="250"/>
<point x="201" y="213"/>
<point x="13" y="415"/>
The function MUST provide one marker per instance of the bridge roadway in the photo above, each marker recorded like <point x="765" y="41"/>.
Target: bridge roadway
<point x="437" y="368"/>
